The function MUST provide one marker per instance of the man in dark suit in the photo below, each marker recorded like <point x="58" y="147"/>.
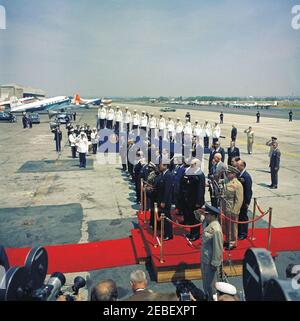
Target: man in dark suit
<point x="274" y="165"/>
<point x="164" y="197"/>
<point x="232" y="152"/>
<point x="193" y="190"/>
<point x="216" y="148"/>
<point x="258" y="117"/>
<point x="246" y="181"/>
<point x="233" y="133"/>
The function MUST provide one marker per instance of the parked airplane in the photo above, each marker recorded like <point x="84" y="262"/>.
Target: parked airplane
<point x="14" y="102"/>
<point x="37" y="105"/>
<point x="87" y="102"/>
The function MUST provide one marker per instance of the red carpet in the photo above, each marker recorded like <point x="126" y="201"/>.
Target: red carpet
<point x="133" y="249"/>
<point x="82" y="257"/>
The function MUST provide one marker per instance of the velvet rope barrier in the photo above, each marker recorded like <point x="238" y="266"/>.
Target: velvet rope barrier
<point x="182" y="225"/>
<point x="246" y="222"/>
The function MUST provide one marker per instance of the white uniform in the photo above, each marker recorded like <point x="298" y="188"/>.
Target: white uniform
<point x="72" y="139"/>
<point x="171" y="127"/>
<point x="82" y="145"/>
<point x="102" y="113"/>
<point x="188" y="129"/>
<point x="152" y="123"/>
<point x="179" y="127"/>
<point x="161" y="123"/>
<point x="198" y="131"/>
<point x="207" y="130"/>
<point x="110" y="114"/>
<point x="216" y="132"/>
<point x="94" y="138"/>
<point x="127" y="117"/>
<point x="136" y="119"/>
<point x="119" y="116"/>
<point x="144" y="121"/>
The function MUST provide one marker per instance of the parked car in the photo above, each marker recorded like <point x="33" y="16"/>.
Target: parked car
<point x="63" y="118"/>
<point x="167" y="109"/>
<point x="35" y="118"/>
<point x="8" y="117"/>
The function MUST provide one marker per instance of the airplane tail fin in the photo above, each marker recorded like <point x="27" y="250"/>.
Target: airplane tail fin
<point x="77" y="99"/>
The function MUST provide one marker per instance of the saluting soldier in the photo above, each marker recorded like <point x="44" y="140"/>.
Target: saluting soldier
<point x="250" y="139"/>
<point x="211" y="250"/>
<point x="232" y="203"/>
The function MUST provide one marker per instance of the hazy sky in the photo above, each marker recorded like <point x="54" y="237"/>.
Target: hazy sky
<point x="152" y="48"/>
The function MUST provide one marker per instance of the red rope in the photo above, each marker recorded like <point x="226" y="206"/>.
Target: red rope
<point x="245" y="222"/>
<point x="259" y="209"/>
<point x="182" y="225"/>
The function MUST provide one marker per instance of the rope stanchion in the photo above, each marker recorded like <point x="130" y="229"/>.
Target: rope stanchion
<point x="145" y="204"/>
<point x="270" y="228"/>
<point x="161" y="260"/>
<point x="252" y="238"/>
<point x="246" y="222"/>
<point x="141" y="196"/>
<point x="155" y="225"/>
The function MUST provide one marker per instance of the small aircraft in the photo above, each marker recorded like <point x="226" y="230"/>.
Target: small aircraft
<point x="14" y="102"/>
<point x="88" y="102"/>
<point x="34" y="105"/>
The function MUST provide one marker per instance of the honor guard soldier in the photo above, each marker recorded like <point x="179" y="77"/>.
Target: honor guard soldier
<point x="101" y="117"/>
<point x="211" y="250"/>
<point x="197" y="131"/>
<point x="77" y="130"/>
<point x="221" y="118"/>
<point x="144" y="124"/>
<point x="231" y="205"/>
<point x="94" y="140"/>
<point x="216" y="133"/>
<point x="118" y="118"/>
<point x="258" y="117"/>
<point x="164" y="197"/>
<point x="290" y="116"/>
<point x="152" y="126"/>
<point x="135" y="120"/>
<point x="188" y="116"/>
<point x="207" y="134"/>
<point x="161" y="126"/>
<point x="72" y="140"/>
<point x="274" y="165"/>
<point x="187" y="130"/>
<point x="82" y="144"/>
<point x="250" y="139"/>
<point x="170" y="128"/>
<point x="110" y="118"/>
<point x="193" y="189"/>
<point x="127" y="120"/>
<point x="178" y="129"/>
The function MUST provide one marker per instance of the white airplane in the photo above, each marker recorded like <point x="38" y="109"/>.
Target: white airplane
<point x="38" y="105"/>
<point x="86" y="102"/>
<point x="14" y="102"/>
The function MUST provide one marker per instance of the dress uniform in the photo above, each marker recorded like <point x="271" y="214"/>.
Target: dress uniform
<point x="161" y="126"/>
<point x="233" y="133"/>
<point x="274" y="166"/>
<point x="211" y="251"/>
<point x="94" y="140"/>
<point x="72" y="140"/>
<point x="170" y="128"/>
<point x="197" y="131"/>
<point x="118" y="118"/>
<point x="216" y="133"/>
<point x="179" y="129"/>
<point x="250" y="139"/>
<point x="193" y="189"/>
<point x="135" y="120"/>
<point x="127" y="120"/>
<point x="82" y="148"/>
<point x="231" y="204"/>
<point x="101" y="117"/>
<point x="187" y="131"/>
<point x="144" y="124"/>
<point x="207" y="134"/>
<point x="110" y="118"/>
<point x="152" y="126"/>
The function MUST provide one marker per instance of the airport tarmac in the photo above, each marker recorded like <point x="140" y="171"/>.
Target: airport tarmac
<point x="47" y="199"/>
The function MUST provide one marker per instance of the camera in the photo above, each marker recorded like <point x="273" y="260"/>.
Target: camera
<point x="26" y="283"/>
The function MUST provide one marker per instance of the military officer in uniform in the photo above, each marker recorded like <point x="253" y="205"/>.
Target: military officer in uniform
<point x="101" y="117"/>
<point x="258" y="117"/>
<point x="211" y="250"/>
<point x="274" y="165"/>
<point x="231" y="205"/>
<point x="290" y="116"/>
<point x="127" y="120"/>
<point x="250" y="139"/>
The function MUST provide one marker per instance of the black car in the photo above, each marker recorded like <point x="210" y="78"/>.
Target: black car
<point x="35" y="118"/>
<point x="8" y="117"/>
